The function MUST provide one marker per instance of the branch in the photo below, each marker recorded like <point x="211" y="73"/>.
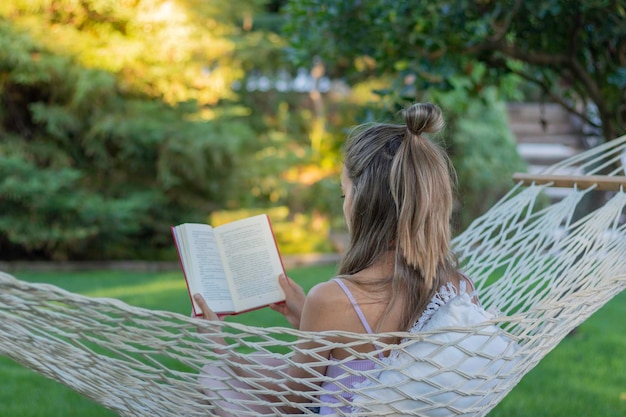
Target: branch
<point x="573" y="37"/>
<point x="578" y="70"/>
<point x="558" y="59"/>
<point x="550" y="60"/>
<point x="556" y="98"/>
<point x="620" y="53"/>
<point x="536" y="58"/>
<point x="503" y="30"/>
<point x="590" y="85"/>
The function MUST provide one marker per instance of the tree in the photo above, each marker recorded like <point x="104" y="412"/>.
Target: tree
<point x="574" y="51"/>
<point x="116" y="122"/>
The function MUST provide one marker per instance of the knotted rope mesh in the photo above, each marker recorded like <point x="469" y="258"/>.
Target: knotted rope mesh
<point x="539" y="271"/>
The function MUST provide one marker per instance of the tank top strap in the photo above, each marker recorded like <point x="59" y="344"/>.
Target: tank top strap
<point x="356" y="307"/>
<point x="469" y="281"/>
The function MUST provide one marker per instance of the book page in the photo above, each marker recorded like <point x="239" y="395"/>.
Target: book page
<point x="252" y="262"/>
<point x="203" y="267"/>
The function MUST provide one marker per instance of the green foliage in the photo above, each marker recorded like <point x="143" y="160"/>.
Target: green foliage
<point x="452" y="52"/>
<point x="107" y="134"/>
<point x="119" y="120"/>
<point x="296" y="233"/>
<point x="574" y="51"/>
<point x="297" y="163"/>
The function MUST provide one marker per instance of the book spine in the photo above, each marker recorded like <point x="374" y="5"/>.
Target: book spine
<point x="280" y="257"/>
<point x="182" y="266"/>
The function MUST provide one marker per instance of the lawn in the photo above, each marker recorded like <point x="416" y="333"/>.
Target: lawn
<point x="585" y="376"/>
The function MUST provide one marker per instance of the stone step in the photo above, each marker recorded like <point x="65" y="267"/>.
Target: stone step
<point x="546" y="134"/>
<point x="548" y="123"/>
<point x="570" y="170"/>
<point x="571" y="140"/>
<point x="545" y="154"/>
<point x="550" y="128"/>
<point x="537" y="111"/>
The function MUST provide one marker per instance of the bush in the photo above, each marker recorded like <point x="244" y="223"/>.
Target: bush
<point x="295" y="233"/>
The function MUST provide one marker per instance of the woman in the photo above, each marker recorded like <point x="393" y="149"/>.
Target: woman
<point x="397" y="188"/>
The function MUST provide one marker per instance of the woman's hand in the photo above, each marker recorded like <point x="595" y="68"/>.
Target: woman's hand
<point x="208" y="314"/>
<point x="294" y="301"/>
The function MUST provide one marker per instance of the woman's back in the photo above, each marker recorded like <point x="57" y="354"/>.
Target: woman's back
<point x="372" y="300"/>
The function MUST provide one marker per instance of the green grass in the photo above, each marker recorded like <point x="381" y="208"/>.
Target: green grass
<point x="585" y="376"/>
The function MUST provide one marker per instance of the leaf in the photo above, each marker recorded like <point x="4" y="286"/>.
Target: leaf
<point x="618" y="78"/>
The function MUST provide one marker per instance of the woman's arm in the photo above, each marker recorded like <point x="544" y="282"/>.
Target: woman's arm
<point x="322" y="310"/>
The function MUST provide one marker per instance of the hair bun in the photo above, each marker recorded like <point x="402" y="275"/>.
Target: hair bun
<point x="423" y="118"/>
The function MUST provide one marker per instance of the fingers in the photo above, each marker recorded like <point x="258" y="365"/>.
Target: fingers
<point x="288" y="284"/>
<point x="281" y="308"/>
<point x="288" y="281"/>
<point x="207" y="313"/>
<point x="282" y="281"/>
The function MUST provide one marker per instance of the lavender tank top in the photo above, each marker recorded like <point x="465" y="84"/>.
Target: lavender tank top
<point x="335" y="371"/>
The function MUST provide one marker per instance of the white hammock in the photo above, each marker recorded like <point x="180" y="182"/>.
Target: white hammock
<point x="554" y="273"/>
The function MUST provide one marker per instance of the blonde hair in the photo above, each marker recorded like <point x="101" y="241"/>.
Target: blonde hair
<point x="402" y="200"/>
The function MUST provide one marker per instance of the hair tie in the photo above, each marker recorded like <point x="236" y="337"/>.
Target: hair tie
<point x="416" y="132"/>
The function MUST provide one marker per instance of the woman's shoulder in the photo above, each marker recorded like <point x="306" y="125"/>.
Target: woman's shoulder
<point x="326" y="293"/>
<point x="325" y="308"/>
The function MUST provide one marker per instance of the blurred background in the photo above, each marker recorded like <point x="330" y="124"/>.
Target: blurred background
<point x="121" y="118"/>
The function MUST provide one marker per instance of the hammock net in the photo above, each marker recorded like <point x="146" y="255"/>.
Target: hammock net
<point x="540" y="271"/>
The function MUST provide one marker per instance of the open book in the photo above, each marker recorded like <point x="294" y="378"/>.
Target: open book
<point x="234" y="266"/>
